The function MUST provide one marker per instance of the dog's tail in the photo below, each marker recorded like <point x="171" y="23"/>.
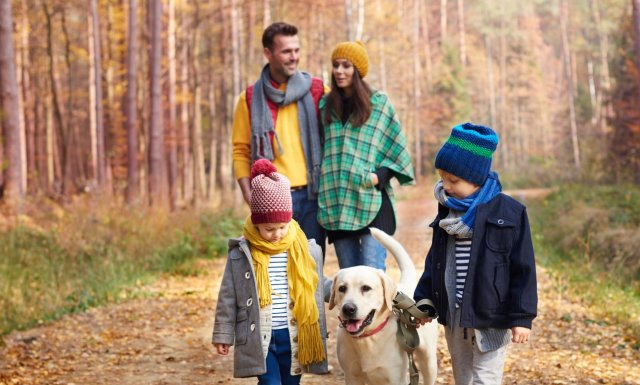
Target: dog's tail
<point x="407" y="281"/>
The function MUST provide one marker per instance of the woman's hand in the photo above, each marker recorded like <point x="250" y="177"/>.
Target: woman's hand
<point x="374" y="178"/>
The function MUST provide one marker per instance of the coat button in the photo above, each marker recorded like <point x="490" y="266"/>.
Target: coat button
<point x="295" y="339"/>
<point x="249" y="301"/>
<point x="252" y="327"/>
<point x="438" y="265"/>
<point x="293" y="322"/>
<point x="437" y="293"/>
<point x="291" y="305"/>
<point x="247" y="275"/>
<point x="297" y="371"/>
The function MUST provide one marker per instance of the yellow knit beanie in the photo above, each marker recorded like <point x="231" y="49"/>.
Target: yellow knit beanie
<point x="355" y="52"/>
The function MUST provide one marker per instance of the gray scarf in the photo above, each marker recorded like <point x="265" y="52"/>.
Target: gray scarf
<point x="262" y="124"/>
<point x="453" y="223"/>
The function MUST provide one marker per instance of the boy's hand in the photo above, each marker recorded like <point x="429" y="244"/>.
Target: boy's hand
<point x="422" y="321"/>
<point x="520" y="335"/>
<point x="223" y="349"/>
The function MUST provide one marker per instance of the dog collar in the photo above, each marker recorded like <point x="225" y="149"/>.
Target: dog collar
<point x="374" y="331"/>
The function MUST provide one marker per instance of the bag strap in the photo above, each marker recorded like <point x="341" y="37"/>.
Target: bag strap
<point x="407" y="311"/>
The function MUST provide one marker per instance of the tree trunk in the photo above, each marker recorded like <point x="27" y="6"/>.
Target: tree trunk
<point x="29" y="105"/>
<point x="185" y="139"/>
<point x="130" y="107"/>
<point x="462" y="33"/>
<point x="213" y="145"/>
<point x="21" y="115"/>
<point x="235" y="47"/>
<point x="417" y="92"/>
<point x="564" y="15"/>
<point x="171" y="128"/>
<point x="502" y="122"/>
<point x="101" y="160"/>
<point x="10" y="120"/>
<point x="360" y="25"/>
<point x="490" y="80"/>
<point x="443" y="21"/>
<point x="636" y="28"/>
<point x="58" y="137"/>
<point x="266" y="13"/>
<point x="198" y="148"/>
<point x="158" y="191"/>
<point x="424" y="21"/>
<point x="603" y="106"/>
<point x="348" y="16"/>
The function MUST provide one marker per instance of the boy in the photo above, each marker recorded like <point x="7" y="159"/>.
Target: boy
<point x="480" y="270"/>
<point x="270" y="303"/>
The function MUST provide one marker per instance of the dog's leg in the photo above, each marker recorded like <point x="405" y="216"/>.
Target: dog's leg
<point x="426" y="353"/>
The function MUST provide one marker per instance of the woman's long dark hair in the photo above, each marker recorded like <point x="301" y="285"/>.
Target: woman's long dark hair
<point x="361" y="102"/>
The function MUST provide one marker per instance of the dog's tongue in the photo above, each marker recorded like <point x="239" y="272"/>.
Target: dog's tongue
<point x="353" y="326"/>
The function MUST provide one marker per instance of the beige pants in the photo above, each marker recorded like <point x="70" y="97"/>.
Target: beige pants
<point x="470" y="365"/>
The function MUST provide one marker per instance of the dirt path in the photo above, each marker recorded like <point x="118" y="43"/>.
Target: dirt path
<point x="164" y="338"/>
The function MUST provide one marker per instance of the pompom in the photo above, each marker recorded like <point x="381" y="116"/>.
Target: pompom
<point x="262" y="167"/>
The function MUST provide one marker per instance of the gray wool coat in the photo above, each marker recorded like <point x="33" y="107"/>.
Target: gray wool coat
<point x="239" y="321"/>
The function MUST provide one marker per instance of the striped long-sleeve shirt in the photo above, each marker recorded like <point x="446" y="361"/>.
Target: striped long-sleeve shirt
<point x="463" y="253"/>
<point x="279" y="290"/>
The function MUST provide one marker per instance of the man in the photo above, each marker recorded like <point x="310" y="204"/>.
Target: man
<point x="277" y="118"/>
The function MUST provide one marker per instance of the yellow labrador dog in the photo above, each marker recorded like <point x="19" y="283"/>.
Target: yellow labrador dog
<point x="368" y="349"/>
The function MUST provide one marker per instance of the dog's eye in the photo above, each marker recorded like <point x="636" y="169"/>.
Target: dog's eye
<point x="365" y="288"/>
<point x="342" y="289"/>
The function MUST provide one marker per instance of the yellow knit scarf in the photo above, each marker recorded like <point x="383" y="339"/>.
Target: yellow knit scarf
<point x="303" y="279"/>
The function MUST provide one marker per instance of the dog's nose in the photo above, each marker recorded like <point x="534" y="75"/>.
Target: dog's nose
<point x="349" y="309"/>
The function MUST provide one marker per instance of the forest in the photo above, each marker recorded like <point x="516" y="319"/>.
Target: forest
<point x="133" y="100"/>
<point x="118" y="196"/>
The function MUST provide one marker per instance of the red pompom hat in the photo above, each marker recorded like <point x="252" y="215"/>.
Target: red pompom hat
<point x="270" y="194"/>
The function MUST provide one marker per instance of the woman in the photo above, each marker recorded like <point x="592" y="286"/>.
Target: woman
<point x="364" y="148"/>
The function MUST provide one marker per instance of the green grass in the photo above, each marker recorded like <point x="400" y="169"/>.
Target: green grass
<point x="82" y="260"/>
<point x="588" y="238"/>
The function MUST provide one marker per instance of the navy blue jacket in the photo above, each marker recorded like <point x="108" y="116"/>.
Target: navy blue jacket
<point x="501" y="289"/>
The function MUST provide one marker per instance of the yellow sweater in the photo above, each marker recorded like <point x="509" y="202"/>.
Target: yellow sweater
<point x="291" y="162"/>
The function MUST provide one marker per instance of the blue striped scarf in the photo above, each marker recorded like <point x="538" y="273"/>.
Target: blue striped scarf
<point x="462" y="214"/>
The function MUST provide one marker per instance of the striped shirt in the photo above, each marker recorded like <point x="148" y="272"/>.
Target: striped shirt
<point x="463" y="253"/>
<point x="279" y="290"/>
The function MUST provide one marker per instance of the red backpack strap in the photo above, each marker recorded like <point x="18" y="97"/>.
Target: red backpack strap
<point x="272" y="106"/>
<point x="317" y="90"/>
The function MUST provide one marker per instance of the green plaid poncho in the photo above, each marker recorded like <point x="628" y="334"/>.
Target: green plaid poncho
<point x="347" y="199"/>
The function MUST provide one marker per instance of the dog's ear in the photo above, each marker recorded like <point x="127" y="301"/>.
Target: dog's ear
<point x="389" y="289"/>
<point x="332" y="302"/>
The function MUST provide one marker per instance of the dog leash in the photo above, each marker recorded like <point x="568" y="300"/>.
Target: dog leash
<point x="408" y="311"/>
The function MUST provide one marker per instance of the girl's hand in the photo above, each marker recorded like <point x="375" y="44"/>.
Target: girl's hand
<point x="374" y="178"/>
<point x="223" y="349"/>
<point x="520" y="335"/>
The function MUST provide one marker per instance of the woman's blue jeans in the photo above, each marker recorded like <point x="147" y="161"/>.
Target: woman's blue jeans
<point x="279" y="361"/>
<point x="360" y="250"/>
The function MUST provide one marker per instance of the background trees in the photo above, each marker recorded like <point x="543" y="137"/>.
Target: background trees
<point x="135" y="98"/>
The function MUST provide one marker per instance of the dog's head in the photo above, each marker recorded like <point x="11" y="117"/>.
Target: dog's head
<point x="363" y="295"/>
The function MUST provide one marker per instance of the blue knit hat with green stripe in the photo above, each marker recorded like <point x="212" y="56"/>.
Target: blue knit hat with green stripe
<point x="467" y="153"/>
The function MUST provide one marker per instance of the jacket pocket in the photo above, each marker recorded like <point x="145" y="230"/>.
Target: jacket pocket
<point x="501" y="281"/>
<point x="499" y="234"/>
<point x="242" y="326"/>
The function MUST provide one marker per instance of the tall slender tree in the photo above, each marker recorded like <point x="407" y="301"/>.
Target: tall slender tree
<point x="130" y="107"/>
<point x="101" y="160"/>
<point x="9" y="103"/>
<point x="158" y="189"/>
<point x="636" y="28"/>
